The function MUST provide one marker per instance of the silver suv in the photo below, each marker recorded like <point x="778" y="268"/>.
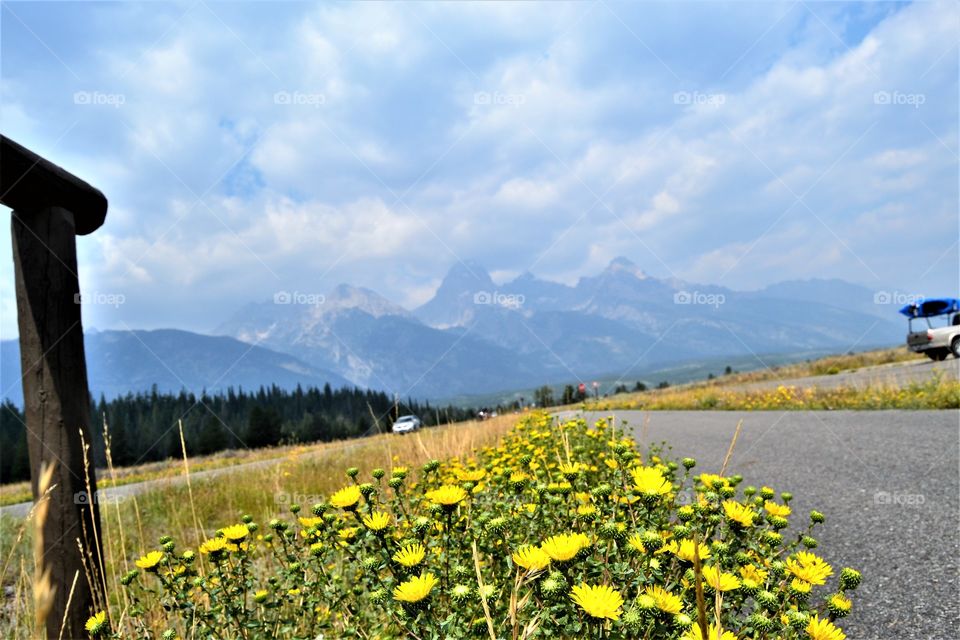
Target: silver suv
<point x="937" y="342"/>
<point x="406" y="424"/>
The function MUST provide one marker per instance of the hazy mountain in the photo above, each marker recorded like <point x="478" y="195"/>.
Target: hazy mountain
<point x="466" y="287"/>
<point x="475" y="336"/>
<point x="119" y="362"/>
<point x="836" y="293"/>
<point x="379" y="345"/>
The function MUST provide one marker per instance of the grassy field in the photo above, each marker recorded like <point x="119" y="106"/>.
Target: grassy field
<point x="17" y="492"/>
<point x="302" y="474"/>
<point x="728" y="392"/>
<point x="698" y="395"/>
<point x="937" y="393"/>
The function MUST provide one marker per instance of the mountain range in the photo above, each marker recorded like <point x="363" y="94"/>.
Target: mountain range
<point x="475" y="336"/>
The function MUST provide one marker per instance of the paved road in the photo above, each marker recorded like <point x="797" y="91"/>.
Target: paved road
<point x="887" y="482"/>
<point x="899" y="374"/>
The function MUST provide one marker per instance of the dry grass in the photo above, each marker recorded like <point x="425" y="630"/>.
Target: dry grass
<point x="935" y="393"/>
<point x="691" y="395"/>
<point x="304" y="474"/>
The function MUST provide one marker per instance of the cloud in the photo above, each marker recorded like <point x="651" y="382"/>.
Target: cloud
<point x="290" y="146"/>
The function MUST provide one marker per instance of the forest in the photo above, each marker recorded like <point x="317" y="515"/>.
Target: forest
<point x="143" y="427"/>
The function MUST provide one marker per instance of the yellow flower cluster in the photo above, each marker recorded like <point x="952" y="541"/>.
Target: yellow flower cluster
<point x="564" y="529"/>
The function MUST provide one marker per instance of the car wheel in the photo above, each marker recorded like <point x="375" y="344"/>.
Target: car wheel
<point x="955" y="347"/>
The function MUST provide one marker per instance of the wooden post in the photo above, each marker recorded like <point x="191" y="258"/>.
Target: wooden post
<point x="52" y="206"/>
<point x="57" y="406"/>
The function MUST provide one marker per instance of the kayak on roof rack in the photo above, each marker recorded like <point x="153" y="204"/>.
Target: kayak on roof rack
<point x="936" y="342"/>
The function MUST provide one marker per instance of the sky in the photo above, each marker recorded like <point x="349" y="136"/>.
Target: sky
<point x="252" y="148"/>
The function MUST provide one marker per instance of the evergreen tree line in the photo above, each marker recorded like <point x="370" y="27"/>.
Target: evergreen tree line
<point x="143" y="426"/>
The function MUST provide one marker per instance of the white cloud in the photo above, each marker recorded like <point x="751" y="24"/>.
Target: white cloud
<point x="571" y="107"/>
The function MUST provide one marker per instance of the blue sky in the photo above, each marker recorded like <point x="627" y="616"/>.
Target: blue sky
<point x="250" y="148"/>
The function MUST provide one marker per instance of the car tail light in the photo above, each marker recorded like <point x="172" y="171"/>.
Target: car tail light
<point x="929" y="337"/>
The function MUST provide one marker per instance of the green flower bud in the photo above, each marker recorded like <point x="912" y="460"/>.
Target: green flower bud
<point x="816" y="517"/>
<point x="319" y="509"/>
<point x="129" y="577"/>
<point x="651" y="540"/>
<point x="395" y="483"/>
<point x="380" y="596"/>
<point x="352" y="472"/>
<point x="839" y="605"/>
<point x="689" y="463"/>
<point x="553" y="586"/>
<point x="761" y="622"/>
<point x="633" y="619"/>
<point x="798" y="620"/>
<point x="768" y="600"/>
<point x="294" y="508"/>
<point x="749" y="490"/>
<point x="602" y="490"/>
<point x="849" y="579"/>
<point x="682" y="621"/>
<point x="778" y="568"/>
<point x="809" y="542"/>
<point x="378" y="473"/>
<point x="772" y="538"/>
<point x="497" y="526"/>
<point x="461" y="593"/>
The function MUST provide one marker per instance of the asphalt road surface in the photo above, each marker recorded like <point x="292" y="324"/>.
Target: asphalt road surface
<point x="887" y="482"/>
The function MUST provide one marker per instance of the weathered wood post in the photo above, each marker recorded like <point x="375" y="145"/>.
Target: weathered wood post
<point x="50" y="207"/>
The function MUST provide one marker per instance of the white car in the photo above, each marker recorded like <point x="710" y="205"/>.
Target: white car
<point x="406" y="424"/>
<point x="937" y="342"/>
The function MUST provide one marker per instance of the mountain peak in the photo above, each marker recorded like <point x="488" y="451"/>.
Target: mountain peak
<point x="620" y="264"/>
<point x="345" y="296"/>
<point x="469" y="272"/>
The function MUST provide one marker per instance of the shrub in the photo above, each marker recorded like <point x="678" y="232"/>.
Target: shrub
<point x="565" y="530"/>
